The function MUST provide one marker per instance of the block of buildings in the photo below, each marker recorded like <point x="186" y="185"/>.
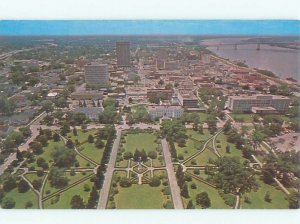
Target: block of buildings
<point x="165" y="94"/>
<point x="263" y="102"/>
<point x="96" y="74"/>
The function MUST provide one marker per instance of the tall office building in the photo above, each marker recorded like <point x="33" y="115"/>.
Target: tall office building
<point x="96" y="74"/>
<point x="123" y="54"/>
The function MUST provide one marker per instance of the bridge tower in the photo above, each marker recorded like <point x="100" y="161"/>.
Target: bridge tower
<point x="258" y="47"/>
<point x="235" y="47"/>
<point x="218" y="47"/>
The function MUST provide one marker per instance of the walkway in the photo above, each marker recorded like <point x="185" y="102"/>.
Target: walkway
<point x="175" y="191"/>
<point x="109" y="173"/>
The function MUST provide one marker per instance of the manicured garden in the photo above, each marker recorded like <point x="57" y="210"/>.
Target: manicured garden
<point x="140" y="196"/>
<point x="146" y="142"/>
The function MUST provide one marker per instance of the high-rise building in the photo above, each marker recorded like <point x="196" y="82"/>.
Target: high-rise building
<point x="96" y="74"/>
<point x="123" y="54"/>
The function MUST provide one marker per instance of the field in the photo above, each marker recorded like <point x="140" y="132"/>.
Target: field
<point x="216" y="200"/>
<point x="234" y="152"/>
<point x="257" y="198"/>
<point x="194" y="142"/>
<point x="66" y="196"/>
<point x="22" y="198"/>
<point x="140" y="141"/>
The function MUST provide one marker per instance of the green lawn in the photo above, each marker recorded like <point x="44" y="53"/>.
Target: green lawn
<point x="247" y="118"/>
<point x="81" y="136"/>
<point x="139" y="197"/>
<point x="22" y="198"/>
<point x="32" y="176"/>
<point x="72" y="179"/>
<point x="65" y="197"/>
<point x="203" y="116"/>
<point x="189" y="149"/>
<point x="234" y="152"/>
<point x="140" y="141"/>
<point x="92" y="152"/>
<point x="123" y="163"/>
<point x="216" y="200"/>
<point x="200" y="137"/>
<point x="203" y="158"/>
<point x="257" y="198"/>
<point x="192" y="145"/>
<point x="83" y="162"/>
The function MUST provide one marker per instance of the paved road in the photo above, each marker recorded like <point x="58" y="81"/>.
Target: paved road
<point x="175" y="191"/>
<point x="109" y="173"/>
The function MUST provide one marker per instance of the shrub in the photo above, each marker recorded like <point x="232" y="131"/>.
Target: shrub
<point x="180" y="157"/>
<point x="125" y="182"/>
<point x="155" y="182"/>
<point x="197" y="171"/>
<point x="193" y="186"/>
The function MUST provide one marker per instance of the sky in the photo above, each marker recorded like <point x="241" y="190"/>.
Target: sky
<point x="144" y="27"/>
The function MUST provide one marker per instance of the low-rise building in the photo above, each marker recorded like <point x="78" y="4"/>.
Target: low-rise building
<point x="165" y="111"/>
<point x="187" y="99"/>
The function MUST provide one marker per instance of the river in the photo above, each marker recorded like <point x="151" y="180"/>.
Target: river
<point x="283" y="62"/>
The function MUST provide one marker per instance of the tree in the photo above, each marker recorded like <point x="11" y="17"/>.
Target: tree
<point x="184" y="191"/>
<point x="190" y="205"/>
<point x="91" y="139"/>
<point x="70" y="144"/>
<point x="267" y="197"/>
<point x="7" y="106"/>
<point x="233" y="177"/>
<point x="203" y="200"/>
<point x="64" y="157"/>
<point x="257" y="137"/>
<point x="77" y="202"/>
<point x="152" y="154"/>
<point x="8" y="203"/>
<point x="99" y="143"/>
<point x="74" y="131"/>
<point x="23" y="186"/>
<point x="273" y="89"/>
<point x="65" y="129"/>
<point x="37" y="184"/>
<point x="56" y="137"/>
<point x="93" y="198"/>
<point x="127" y="155"/>
<point x="47" y="106"/>
<point x="19" y="155"/>
<point x="268" y="173"/>
<point x="293" y="200"/>
<point x="227" y="148"/>
<point x="174" y="130"/>
<point x="57" y="177"/>
<point x="28" y="204"/>
<point x="9" y="183"/>
<point x="42" y="139"/>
